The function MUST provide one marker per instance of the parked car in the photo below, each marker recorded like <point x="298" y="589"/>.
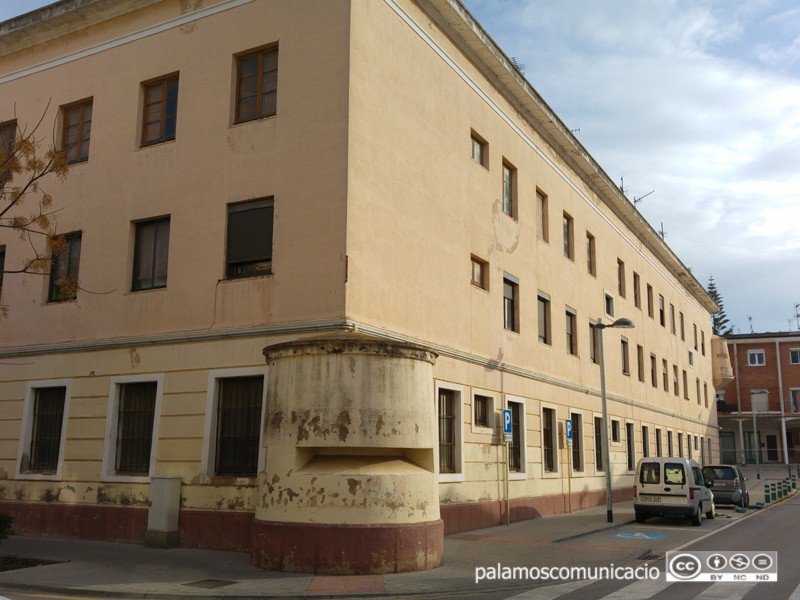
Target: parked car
<point x="671" y="487"/>
<point x="727" y="482"/>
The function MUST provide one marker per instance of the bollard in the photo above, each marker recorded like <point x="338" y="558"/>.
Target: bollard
<point x="773" y="492"/>
<point x="766" y="494"/>
<point x="779" y="488"/>
<point x="794" y="482"/>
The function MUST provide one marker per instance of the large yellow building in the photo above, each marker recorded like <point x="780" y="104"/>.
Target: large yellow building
<point x="321" y="245"/>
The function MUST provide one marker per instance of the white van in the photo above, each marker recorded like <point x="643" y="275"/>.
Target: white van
<point x="671" y="487"/>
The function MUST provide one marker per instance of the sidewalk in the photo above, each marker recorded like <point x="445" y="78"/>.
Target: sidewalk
<point x="126" y="570"/>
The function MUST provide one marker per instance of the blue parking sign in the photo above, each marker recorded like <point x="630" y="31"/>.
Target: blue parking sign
<point x="569" y="429"/>
<point x="506" y="420"/>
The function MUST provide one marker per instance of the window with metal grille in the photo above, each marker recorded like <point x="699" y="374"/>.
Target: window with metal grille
<point x="658" y="443"/>
<point x="548" y="439"/>
<point x="238" y="425"/>
<point x="645" y="441"/>
<point x="629" y="445"/>
<point x="257" y="85"/>
<point x="515" y="446"/>
<point x="250" y="238"/>
<point x="151" y="255"/>
<point x="447" y="431"/>
<point x="77" y="131"/>
<point x="482" y="404"/>
<point x="48" y="416"/>
<point x="137" y="403"/>
<point x="598" y="443"/>
<point x="160" y="111"/>
<point x="577" y="442"/>
<point x="64" y="270"/>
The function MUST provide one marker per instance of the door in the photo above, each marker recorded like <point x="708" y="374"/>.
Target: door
<point x="772" y="448"/>
<point x="750" y="448"/>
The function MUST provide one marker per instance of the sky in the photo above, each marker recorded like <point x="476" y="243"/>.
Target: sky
<point x="697" y="101"/>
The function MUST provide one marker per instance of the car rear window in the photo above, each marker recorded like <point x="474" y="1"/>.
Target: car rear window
<point x="674" y="473"/>
<point x="650" y="473"/>
<point x="719" y="473"/>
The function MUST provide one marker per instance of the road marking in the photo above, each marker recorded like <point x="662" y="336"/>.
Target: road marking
<point x="639" y="590"/>
<point x="639" y="535"/>
<point x="726" y="591"/>
<point x="795" y="594"/>
<point x="551" y="592"/>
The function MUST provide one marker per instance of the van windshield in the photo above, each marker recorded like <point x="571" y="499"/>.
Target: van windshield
<point x="650" y="473"/>
<point x="674" y="474"/>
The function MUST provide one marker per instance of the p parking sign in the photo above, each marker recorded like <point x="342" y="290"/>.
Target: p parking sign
<point x="568" y="431"/>
<point x="506" y="425"/>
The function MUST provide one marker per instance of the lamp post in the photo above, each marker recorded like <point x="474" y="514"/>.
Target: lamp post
<point x="623" y="324"/>
<point x="756" y="442"/>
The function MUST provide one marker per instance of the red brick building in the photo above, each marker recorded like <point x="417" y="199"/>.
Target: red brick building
<point x="766" y="368"/>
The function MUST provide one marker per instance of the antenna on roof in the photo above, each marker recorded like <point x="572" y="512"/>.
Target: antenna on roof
<point x="797" y="314"/>
<point x="662" y="233"/>
<point x="640" y="198"/>
<point x="751" y="324"/>
<point x="519" y="65"/>
<point x="578" y="130"/>
<point x="622" y="185"/>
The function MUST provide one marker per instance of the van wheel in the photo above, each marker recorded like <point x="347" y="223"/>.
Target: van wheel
<point x="640" y="517"/>
<point x="744" y="501"/>
<point x="697" y="519"/>
<point x="713" y="512"/>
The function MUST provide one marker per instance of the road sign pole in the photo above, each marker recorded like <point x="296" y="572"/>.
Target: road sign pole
<point x="508" y="511"/>
<point x="569" y="475"/>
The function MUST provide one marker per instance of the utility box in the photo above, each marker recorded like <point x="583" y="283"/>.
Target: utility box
<point x="162" y="518"/>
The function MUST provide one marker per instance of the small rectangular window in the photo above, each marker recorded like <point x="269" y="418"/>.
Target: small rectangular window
<point x="626" y="367"/>
<point x="615" y="431"/>
<point x="479" y="276"/>
<point x="650" y="301"/>
<point x="705" y="394"/>
<point x="672" y="319"/>
<point x="151" y="255"/>
<point x="256" y="85"/>
<point x="794" y="356"/>
<point x="645" y="441"/>
<point x="160" y="111"/>
<point x="509" y="190"/>
<point x="571" y="331"/>
<point x="608" y="304"/>
<point x="683" y="332"/>
<point x="591" y="259"/>
<point x="669" y="443"/>
<point x="703" y="343"/>
<point x="756" y="358"/>
<point x="48" y="417"/>
<point x="685" y="385"/>
<point x="548" y="439"/>
<point x="621" y="278"/>
<point x="577" y="442"/>
<point x="658" y="443"/>
<point x="665" y="375"/>
<point x="680" y="445"/>
<point x="482" y="404"/>
<point x="653" y="370"/>
<point x="640" y="361"/>
<point x="517" y="438"/>
<point x="542" y="226"/>
<point x="543" y="303"/>
<point x="64" y="269"/>
<point x="135" y="427"/>
<point x="598" y="443"/>
<point x="637" y="293"/>
<point x="510" y="305"/>
<point x="629" y="447"/>
<point x="77" y="130"/>
<point x="675" y="385"/>
<point x="569" y="243"/>
<point x="698" y="390"/>
<point x="661" y="316"/>
<point x="239" y="425"/>
<point x="594" y="345"/>
<point x="694" y="327"/>
<point x="691" y="359"/>
<point x="249" y="249"/>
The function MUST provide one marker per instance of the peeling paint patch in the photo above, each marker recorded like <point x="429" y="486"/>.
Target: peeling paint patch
<point x="354" y="484"/>
<point x="276" y="420"/>
<point x="379" y="425"/>
<point x="342" y="422"/>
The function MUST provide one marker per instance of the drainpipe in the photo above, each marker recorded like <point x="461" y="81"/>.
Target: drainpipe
<point x="739" y="400"/>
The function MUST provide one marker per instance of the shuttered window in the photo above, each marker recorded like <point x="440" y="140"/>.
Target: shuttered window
<point x="447" y="431"/>
<point x="238" y="425"/>
<point x="250" y="238"/>
<point x="137" y="403"/>
<point x="48" y="415"/>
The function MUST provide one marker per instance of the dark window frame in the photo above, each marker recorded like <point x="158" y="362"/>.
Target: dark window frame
<point x="46" y="429"/>
<point x="238" y="425"/>
<point x="446" y="404"/>
<point x="82" y="140"/>
<point x="248" y="254"/>
<point x="136" y="406"/>
<point x="65" y="265"/>
<point x="167" y="112"/>
<point x="271" y="54"/>
<point x="158" y="263"/>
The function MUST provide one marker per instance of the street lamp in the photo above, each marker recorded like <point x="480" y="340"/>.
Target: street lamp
<point x="622" y="324"/>
<point x="756" y="442"/>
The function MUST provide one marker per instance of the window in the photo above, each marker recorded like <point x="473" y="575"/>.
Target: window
<point x="569" y="243"/>
<point x="794" y="355"/>
<point x="691" y="359"/>
<point x="637" y="293"/>
<point x="658" y="442"/>
<point x="697" y="381"/>
<point x="591" y="257"/>
<point x="755" y="358"/>
<point x="2" y="268"/>
<point x="608" y="304"/>
<point x="509" y="190"/>
<point x="621" y="278"/>
<point x="675" y="384"/>
<point x="653" y="372"/>
<point x="710" y="457"/>
<point x="630" y="450"/>
<point x="598" y="443"/>
<point x="669" y="443"/>
<point x="594" y="343"/>
<point x="683" y="332"/>
<point x="572" y="340"/>
<point x="649" y="300"/>
<point x="794" y="400"/>
<point x="548" y="439"/>
<point x="685" y="385"/>
<point x="479" y="273"/>
<point x="645" y="441"/>
<point x="665" y="375"/>
<point x="160" y="111"/>
<point x="510" y="303"/>
<point x="695" y="335"/>
<point x="661" y="316"/>
<point x="689" y="446"/>
<point x="705" y="394"/>
<point x="249" y="248"/>
<point x="543" y="303"/>
<point x="447" y="431"/>
<point x="64" y="268"/>
<point x="615" y="431"/>
<point x="672" y="319"/>
<point x="77" y="130"/>
<point x="482" y="410"/>
<point x="233" y="424"/>
<point x="640" y="362"/>
<point x="680" y="445"/>
<point x="516" y="448"/>
<point x="542" y="226"/>
<point x="48" y="417"/>
<point x="44" y="419"/>
<point x="703" y="343"/>
<point x="626" y="367"/>
<point x="151" y="255"/>
<point x="256" y="85"/>
<point x="8" y="133"/>
<point x="239" y="426"/>
<point x="577" y="442"/>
